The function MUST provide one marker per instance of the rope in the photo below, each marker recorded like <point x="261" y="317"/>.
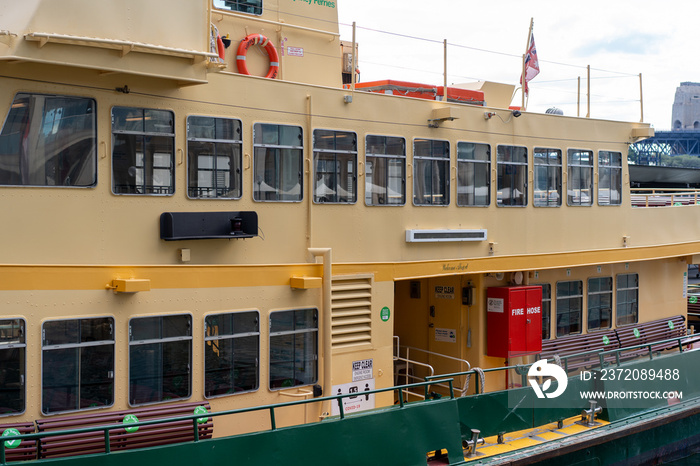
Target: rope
<point x="482" y="380"/>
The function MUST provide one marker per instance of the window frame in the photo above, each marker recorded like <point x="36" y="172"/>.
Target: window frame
<point x="546" y="310"/>
<point x="303" y="331"/>
<point x="210" y="339"/>
<point x="436" y="158"/>
<point x="623" y="302"/>
<point x="572" y="168"/>
<point x="505" y="163"/>
<point x="388" y="158"/>
<point x="160" y="340"/>
<point x="40" y="130"/>
<point x="593" y="296"/>
<point x="608" y="169"/>
<point x="333" y="175"/>
<point x="78" y="369"/>
<point x="216" y="142"/>
<point x="570" y="298"/>
<point x="217" y="4"/>
<point x="281" y="152"/>
<point x="21" y="345"/>
<point x="144" y="136"/>
<point x="553" y="176"/>
<point x="473" y="163"/>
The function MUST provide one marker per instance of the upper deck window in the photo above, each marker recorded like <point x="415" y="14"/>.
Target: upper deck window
<point x="77" y="367"/>
<point x="277" y="162"/>
<point x="213" y="158"/>
<point x="431" y="172"/>
<point x="49" y="140"/>
<point x="548" y="173"/>
<point x="512" y="175"/>
<point x="335" y="166"/>
<point x="609" y="178"/>
<point x="385" y="170"/>
<point x="253" y="7"/>
<point x="143" y="151"/>
<point x="12" y="366"/>
<point x="473" y="174"/>
<point x="580" y="180"/>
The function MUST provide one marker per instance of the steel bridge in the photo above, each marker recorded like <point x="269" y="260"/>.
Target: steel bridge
<point x="680" y="142"/>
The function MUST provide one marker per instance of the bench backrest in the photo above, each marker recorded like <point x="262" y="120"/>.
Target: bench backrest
<point x="26" y="449"/>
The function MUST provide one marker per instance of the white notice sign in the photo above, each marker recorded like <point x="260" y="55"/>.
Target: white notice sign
<point x="357" y="402"/>
<point x="446" y="334"/>
<point x="362" y="370"/>
<point x="494" y="305"/>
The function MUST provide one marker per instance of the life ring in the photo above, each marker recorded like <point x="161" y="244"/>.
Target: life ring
<point x="257" y="39"/>
<point x="221" y="50"/>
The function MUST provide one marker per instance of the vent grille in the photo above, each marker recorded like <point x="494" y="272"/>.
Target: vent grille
<point x="351" y="311"/>
<point x="431" y="236"/>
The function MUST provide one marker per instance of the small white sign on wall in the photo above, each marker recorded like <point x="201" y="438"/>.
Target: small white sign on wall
<point x="448" y="335"/>
<point x="359" y="401"/>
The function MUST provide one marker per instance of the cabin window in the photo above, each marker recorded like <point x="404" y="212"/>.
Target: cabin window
<point x="213" y="158"/>
<point x="49" y="140"/>
<point x="431" y="172"/>
<point x="335" y="167"/>
<point x="569" y="307"/>
<point x="293" y="348"/>
<point x="277" y="162"/>
<point x="160" y="358"/>
<point x="473" y="174"/>
<point x="627" y="299"/>
<point x="385" y="170"/>
<point x="546" y="311"/>
<point x="12" y="366"/>
<point x="600" y="299"/>
<point x="609" y="178"/>
<point x="143" y="151"/>
<point x="231" y="353"/>
<point x="548" y="174"/>
<point x="77" y="367"/>
<point x="580" y="179"/>
<point x="253" y="7"/>
<point x="512" y="176"/>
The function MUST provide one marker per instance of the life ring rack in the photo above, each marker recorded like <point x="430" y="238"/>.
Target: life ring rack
<point x="257" y="39"/>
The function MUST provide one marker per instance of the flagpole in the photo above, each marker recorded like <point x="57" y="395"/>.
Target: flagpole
<point x="527" y="48"/>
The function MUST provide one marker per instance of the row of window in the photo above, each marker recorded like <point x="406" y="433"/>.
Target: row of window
<point x="51" y="141"/>
<point x="78" y="358"/>
<point x="570" y="305"/>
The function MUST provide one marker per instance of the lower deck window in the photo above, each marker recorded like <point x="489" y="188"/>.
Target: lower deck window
<point x="293" y="348"/>
<point x="546" y="311"/>
<point x="160" y="358"/>
<point x="599" y="303"/>
<point x="77" y="364"/>
<point x="12" y="366"/>
<point x="231" y="353"/>
<point x="569" y="306"/>
<point x="627" y="298"/>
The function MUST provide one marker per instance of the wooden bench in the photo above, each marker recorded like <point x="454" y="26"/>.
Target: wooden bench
<point x="146" y="436"/>
<point x="593" y="343"/>
<point x="26" y="449"/>
<point x="650" y="332"/>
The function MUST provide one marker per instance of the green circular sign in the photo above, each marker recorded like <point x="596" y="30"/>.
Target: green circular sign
<point x="385" y="314"/>
<point x="606" y="340"/>
<point x="11" y="433"/>
<point x="636" y="333"/>
<point x="201" y="410"/>
<point x="693" y="299"/>
<point x="130" y="419"/>
<point x="670" y="325"/>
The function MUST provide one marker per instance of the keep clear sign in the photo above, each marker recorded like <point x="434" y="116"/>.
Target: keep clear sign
<point x="358" y="401"/>
<point x="362" y="370"/>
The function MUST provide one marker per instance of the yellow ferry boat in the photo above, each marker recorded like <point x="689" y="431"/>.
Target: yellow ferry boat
<point x="206" y="220"/>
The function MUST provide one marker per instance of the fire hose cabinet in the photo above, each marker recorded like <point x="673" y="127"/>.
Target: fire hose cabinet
<point x="513" y="321"/>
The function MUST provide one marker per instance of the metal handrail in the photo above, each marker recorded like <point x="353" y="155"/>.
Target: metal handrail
<point x="193" y="417"/>
<point x="688" y="340"/>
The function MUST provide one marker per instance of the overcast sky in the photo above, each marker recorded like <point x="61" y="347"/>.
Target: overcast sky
<point x="618" y="38"/>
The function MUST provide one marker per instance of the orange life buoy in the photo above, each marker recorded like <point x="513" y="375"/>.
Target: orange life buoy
<point x="220" y="47"/>
<point x="257" y="39"/>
